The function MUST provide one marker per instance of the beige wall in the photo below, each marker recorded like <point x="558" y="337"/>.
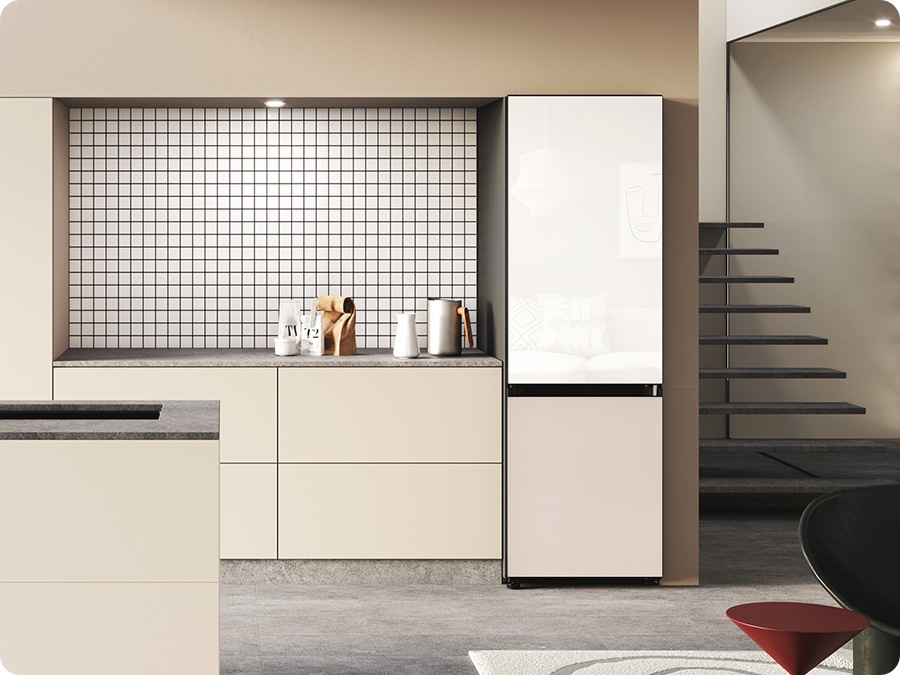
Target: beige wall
<point x="349" y="48"/>
<point x="815" y="153"/>
<point x="751" y="16"/>
<point x="409" y="48"/>
<point x="713" y="82"/>
<point x="713" y="85"/>
<point x="722" y="21"/>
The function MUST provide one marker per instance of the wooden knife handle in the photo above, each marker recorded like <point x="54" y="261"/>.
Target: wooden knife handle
<point x="467" y="326"/>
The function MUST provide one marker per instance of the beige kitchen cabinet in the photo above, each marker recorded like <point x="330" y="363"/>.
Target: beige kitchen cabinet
<point x="431" y="436"/>
<point x="109" y="629"/>
<point x="247" y="395"/>
<point x="249" y="510"/>
<point x="33" y="254"/>
<point x="114" y="510"/>
<point x="368" y="511"/>
<point x="396" y="414"/>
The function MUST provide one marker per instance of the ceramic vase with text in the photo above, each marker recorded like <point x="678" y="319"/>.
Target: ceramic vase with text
<point x="406" y="342"/>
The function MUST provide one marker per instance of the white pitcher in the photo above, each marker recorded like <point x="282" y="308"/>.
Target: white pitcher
<point x="406" y="342"/>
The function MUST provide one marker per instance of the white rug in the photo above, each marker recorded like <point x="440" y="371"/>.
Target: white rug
<point x="642" y="663"/>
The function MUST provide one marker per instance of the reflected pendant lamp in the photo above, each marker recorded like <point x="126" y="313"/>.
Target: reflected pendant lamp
<point x="544" y="184"/>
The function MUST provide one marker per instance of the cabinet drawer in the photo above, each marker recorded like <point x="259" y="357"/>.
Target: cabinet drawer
<point x="125" y="511"/>
<point x="414" y="415"/>
<point x="248" y="399"/>
<point x="389" y="511"/>
<point x="249" y="511"/>
<point x="110" y="629"/>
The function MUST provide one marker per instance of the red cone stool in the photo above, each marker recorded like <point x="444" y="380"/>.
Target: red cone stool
<point x="799" y="636"/>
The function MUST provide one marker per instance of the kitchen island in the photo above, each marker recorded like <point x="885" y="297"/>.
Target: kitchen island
<point x="109" y="523"/>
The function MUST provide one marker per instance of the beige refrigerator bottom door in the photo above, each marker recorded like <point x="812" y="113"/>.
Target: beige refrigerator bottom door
<point x="584" y="487"/>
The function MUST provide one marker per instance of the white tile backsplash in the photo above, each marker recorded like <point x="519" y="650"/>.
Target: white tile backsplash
<point x="188" y="225"/>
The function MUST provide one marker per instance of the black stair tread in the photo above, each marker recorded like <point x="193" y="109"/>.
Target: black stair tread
<point x="771" y="373"/>
<point x="738" y="251"/>
<point x="754" y="309"/>
<point x="762" y="340"/>
<point x="799" y="485"/>
<point x="781" y="408"/>
<point x="789" y="444"/>
<point x="746" y="280"/>
<point x="731" y="225"/>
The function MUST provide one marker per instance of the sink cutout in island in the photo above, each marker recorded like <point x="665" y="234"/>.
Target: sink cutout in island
<point x="80" y="411"/>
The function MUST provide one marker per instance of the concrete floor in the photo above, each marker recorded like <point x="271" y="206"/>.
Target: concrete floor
<point x="319" y="629"/>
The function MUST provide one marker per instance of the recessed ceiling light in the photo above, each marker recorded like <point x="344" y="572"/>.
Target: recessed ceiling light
<point x="277" y="103"/>
<point x="883" y="23"/>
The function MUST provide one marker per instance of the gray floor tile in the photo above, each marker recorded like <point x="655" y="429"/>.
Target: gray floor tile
<point x="336" y="629"/>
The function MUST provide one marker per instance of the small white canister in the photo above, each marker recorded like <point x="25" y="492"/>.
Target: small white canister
<point x="286" y="346"/>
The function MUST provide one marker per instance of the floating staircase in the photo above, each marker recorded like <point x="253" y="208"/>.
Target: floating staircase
<point x="756" y="467"/>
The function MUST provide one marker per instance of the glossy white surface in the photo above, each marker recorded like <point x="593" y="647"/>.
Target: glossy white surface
<point x="585" y="235"/>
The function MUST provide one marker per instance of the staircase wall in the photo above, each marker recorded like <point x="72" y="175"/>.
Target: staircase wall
<point x="815" y="153"/>
<point x="746" y="17"/>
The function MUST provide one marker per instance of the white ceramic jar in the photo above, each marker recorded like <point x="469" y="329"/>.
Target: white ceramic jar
<point x="406" y="342"/>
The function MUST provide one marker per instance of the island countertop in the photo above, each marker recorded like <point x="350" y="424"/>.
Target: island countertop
<point x="261" y="358"/>
<point x="109" y="420"/>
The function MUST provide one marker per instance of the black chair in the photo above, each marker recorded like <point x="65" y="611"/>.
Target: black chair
<point x="851" y="541"/>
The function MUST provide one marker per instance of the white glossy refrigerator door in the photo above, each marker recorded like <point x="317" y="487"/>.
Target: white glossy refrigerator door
<point x="585" y="239"/>
<point x="584" y="487"/>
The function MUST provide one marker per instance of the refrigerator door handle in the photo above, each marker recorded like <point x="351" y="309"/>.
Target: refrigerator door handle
<point x="584" y="389"/>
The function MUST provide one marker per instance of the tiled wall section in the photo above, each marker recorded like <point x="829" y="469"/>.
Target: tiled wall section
<point x="188" y="225"/>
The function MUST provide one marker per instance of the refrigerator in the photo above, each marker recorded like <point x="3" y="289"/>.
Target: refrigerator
<point x="583" y="453"/>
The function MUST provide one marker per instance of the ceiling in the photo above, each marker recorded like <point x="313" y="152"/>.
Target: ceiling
<point x="851" y="22"/>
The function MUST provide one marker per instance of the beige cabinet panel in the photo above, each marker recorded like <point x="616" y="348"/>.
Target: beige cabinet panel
<point x="248" y="399"/>
<point x="249" y="511"/>
<point x="584" y="487"/>
<point x="110" y="629"/>
<point x="389" y="511"/>
<point x="122" y="511"/>
<point x="390" y="414"/>
<point x="26" y="251"/>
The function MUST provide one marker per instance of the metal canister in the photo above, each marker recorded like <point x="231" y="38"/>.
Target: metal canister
<point x="445" y="318"/>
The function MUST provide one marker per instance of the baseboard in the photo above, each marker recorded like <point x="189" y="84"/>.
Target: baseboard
<point x="360" y="572"/>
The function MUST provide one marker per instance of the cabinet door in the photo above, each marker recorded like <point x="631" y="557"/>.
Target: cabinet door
<point x="389" y="511"/>
<point x="584" y="487"/>
<point x="249" y="510"/>
<point x="248" y="411"/>
<point x="110" y="629"/>
<point x="28" y="266"/>
<point x="390" y="414"/>
<point x="126" y="511"/>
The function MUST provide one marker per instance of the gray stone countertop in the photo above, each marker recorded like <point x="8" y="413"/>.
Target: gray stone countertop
<point x="178" y="420"/>
<point x="261" y="358"/>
